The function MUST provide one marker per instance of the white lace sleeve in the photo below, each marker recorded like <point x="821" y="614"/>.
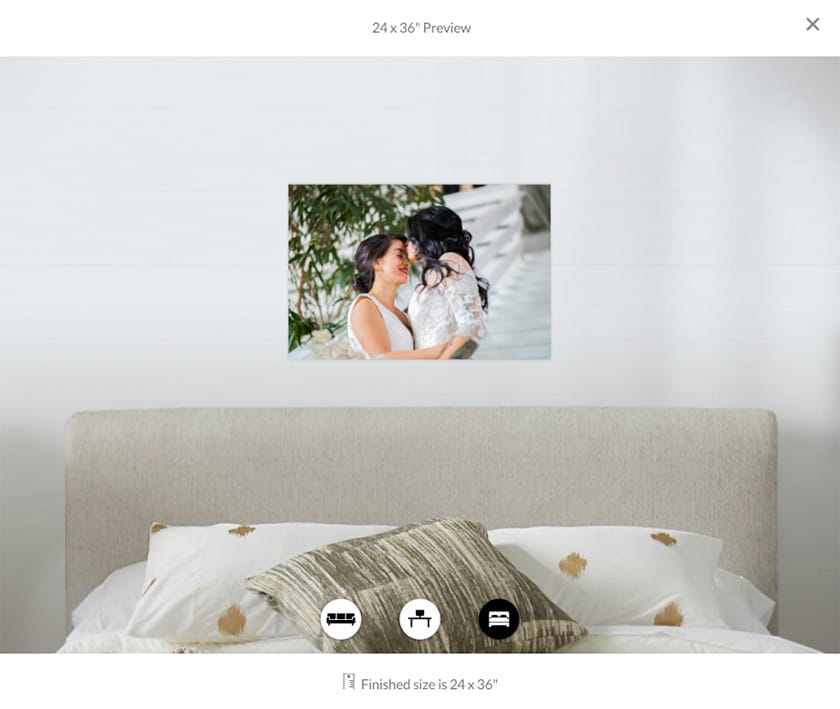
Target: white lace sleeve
<point x="461" y="291"/>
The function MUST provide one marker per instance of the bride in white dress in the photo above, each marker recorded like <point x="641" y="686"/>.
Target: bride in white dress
<point x="450" y="304"/>
<point x="376" y="327"/>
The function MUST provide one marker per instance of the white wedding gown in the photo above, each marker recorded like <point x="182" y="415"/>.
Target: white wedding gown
<point x="398" y="333"/>
<point x="449" y="309"/>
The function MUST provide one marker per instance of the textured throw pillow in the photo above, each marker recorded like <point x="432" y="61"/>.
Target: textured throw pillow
<point x="449" y="562"/>
<point x="194" y="588"/>
<point x="620" y="575"/>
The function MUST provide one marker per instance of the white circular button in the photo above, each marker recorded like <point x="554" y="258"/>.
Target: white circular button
<point x="420" y="619"/>
<point x="341" y="619"/>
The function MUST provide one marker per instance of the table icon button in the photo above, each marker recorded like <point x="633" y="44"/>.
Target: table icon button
<point x="420" y="619"/>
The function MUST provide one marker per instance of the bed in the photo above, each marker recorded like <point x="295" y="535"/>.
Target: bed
<point x="708" y="471"/>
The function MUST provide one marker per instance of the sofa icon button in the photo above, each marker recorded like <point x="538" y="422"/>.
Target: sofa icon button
<point x="340" y="619"/>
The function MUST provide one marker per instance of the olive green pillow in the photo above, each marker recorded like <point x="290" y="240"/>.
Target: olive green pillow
<point x="450" y="562"/>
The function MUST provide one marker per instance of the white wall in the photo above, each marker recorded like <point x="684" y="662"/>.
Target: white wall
<point x="695" y="257"/>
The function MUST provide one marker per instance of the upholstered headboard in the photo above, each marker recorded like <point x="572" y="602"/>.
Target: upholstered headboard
<point x="710" y="471"/>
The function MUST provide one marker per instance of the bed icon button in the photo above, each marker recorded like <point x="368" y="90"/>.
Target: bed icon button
<point x="498" y="619"/>
<point x="341" y="619"/>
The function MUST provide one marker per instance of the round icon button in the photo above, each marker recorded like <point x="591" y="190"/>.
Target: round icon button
<point x="341" y="619"/>
<point x="498" y="619"/>
<point x="420" y="619"/>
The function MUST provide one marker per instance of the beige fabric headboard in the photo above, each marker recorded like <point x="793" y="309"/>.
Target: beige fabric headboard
<point x="710" y="471"/>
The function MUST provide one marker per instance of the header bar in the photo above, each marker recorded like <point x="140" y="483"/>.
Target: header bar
<point x="532" y="28"/>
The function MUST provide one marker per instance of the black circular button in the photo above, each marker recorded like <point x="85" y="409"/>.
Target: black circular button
<point x="498" y="619"/>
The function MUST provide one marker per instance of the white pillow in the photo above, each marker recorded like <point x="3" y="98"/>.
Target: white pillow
<point x="109" y="606"/>
<point x="194" y="586"/>
<point x="620" y="575"/>
<point x="742" y="605"/>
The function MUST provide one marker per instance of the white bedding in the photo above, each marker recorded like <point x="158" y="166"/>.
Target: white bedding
<point x="601" y="639"/>
<point x="640" y="639"/>
<point x="101" y="621"/>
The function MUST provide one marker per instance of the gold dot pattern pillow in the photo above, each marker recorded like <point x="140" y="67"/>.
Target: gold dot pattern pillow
<point x="450" y="562"/>
<point x="194" y="590"/>
<point x="621" y="575"/>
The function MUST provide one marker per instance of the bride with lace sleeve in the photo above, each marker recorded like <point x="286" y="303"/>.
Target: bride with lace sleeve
<point x="450" y="308"/>
<point x="450" y="304"/>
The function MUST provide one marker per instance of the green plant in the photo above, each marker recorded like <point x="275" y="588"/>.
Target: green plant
<point x="326" y="223"/>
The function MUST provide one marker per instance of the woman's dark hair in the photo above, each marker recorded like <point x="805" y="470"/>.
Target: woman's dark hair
<point x="438" y="230"/>
<point x="370" y="250"/>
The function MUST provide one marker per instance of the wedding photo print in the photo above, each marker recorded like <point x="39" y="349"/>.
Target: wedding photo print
<point x="420" y="272"/>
